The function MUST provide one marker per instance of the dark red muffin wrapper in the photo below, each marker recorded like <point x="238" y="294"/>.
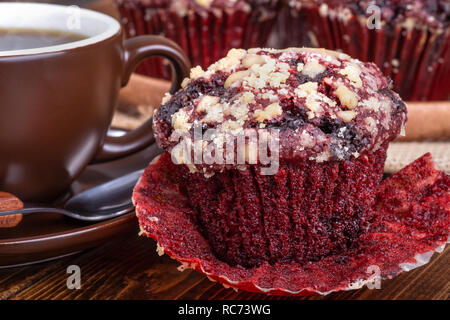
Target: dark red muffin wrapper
<point x="305" y="211"/>
<point x="411" y="221"/>
<point x="206" y="35"/>
<point x="422" y="54"/>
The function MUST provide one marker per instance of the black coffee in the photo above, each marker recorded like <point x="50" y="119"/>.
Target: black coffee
<point x="18" y="39"/>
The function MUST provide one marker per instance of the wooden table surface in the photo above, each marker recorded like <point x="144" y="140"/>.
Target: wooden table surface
<point x="130" y="268"/>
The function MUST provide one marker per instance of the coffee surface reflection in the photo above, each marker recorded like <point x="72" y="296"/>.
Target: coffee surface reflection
<point x="19" y="39"/>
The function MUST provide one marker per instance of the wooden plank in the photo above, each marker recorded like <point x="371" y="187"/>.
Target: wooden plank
<point x="130" y="268"/>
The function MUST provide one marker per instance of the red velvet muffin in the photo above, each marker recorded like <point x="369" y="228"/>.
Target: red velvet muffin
<point x="411" y="44"/>
<point x="313" y="219"/>
<point x="327" y="120"/>
<point x="204" y="29"/>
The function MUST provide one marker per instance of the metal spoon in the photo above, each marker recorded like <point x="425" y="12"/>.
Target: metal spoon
<point x="102" y="202"/>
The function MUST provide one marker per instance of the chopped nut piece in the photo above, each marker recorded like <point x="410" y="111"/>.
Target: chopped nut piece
<point x="237" y="53"/>
<point x="248" y="97"/>
<point x="284" y="67"/>
<point x="278" y="78"/>
<point x="231" y="125"/>
<point x="271" y="111"/>
<point x="232" y="60"/>
<point x="205" y="102"/>
<point x="180" y="121"/>
<point x="166" y="98"/>
<point x="214" y="113"/>
<point x="347" y="97"/>
<point x="196" y="72"/>
<point x="238" y="110"/>
<point x="347" y="115"/>
<point x="314" y="98"/>
<point x="250" y="60"/>
<point x="306" y="89"/>
<point x="313" y="68"/>
<point x="234" y="77"/>
<point x="353" y="74"/>
<point x="270" y="95"/>
<point x="185" y="82"/>
<point x="372" y="104"/>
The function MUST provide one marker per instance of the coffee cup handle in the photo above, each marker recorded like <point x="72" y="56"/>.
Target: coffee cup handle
<point x="135" y="50"/>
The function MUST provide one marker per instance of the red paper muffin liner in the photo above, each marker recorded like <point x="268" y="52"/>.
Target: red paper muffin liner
<point x="206" y="35"/>
<point x="410" y="221"/>
<point x="417" y="60"/>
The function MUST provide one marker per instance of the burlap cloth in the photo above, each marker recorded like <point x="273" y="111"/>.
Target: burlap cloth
<point x="400" y="154"/>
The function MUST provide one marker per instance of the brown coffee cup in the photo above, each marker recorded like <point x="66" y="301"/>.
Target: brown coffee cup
<point x="57" y="102"/>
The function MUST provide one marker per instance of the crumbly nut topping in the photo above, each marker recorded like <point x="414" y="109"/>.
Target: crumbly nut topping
<point x="347" y="97"/>
<point x="353" y="74"/>
<point x="312" y="68"/>
<point x="236" y="78"/>
<point x="180" y="120"/>
<point x="196" y="72"/>
<point x="205" y="102"/>
<point x="326" y="105"/>
<point x="347" y="115"/>
<point x="271" y="111"/>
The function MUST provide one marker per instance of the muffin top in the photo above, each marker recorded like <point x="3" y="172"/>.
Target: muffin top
<point x="323" y="104"/>
<point x="408" y="13"/>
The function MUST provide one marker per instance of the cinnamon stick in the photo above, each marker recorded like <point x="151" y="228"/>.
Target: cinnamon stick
<point x="427" y="120"/>
<point x="142" y="91"/>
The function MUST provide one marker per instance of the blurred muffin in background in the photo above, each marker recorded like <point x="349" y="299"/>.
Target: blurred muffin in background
<point x="410" y="42"/>
<point x="204" y="29"/>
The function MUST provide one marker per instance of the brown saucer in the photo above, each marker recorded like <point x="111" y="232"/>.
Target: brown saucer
<point x="45" y="236"/>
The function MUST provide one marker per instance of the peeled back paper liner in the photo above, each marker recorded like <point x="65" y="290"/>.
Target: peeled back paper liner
<point x="411" y="222"/>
